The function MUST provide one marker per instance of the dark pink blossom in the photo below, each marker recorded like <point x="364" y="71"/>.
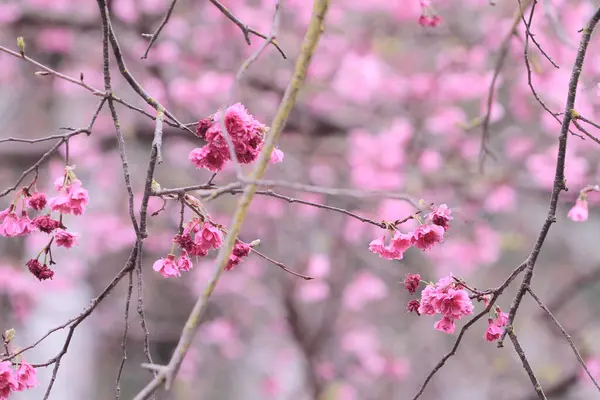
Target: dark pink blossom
<point x="184" y="263"/>
<point x="413" y="306"/>
<point x="184" y="241"/>
<point x="167" y="266"/>
<point x="209" y="237"/>
<point x="411" y="282"/>
<point x="37" y="201"/>
<point x="64" y="238"/>
<point x="42" y="272"/>
<point x="240" y="250"/>
<point x="427" y="236"/>
<point x="45" y="223"/>
<point x="203" y="126"/>
<point x="8" y="380"/>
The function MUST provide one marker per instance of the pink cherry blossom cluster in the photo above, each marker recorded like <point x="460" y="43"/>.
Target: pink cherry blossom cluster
<point x="16" y="380"/>
<point x="424" y="237"/>
<point x="494" y="329"/>
<point x="447" y="298"/>
<point x="428" y="16"/>
<point x="72" y="199"/>
<point x="245" y="131"/>
<point x="197" y="239"/>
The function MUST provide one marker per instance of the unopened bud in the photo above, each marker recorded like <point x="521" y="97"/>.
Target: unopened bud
<point x="41" y="73"/>
<point x="255" y="243"/>
<point x="21" y="45"/>
<point x="9" y="335"/>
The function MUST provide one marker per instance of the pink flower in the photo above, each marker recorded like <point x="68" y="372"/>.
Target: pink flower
<point x="26" y="377"/>
<point x="579" y="212"/>
<point x="240" y="250"/>
<point x="411" y="282"/>
<point x="46" y="224"/>
<point x="184" y="241"/>
<point x="42" y="272"/>
<point x="210" y="237"/>
<point x="8" y="381"/>
<point x="37" y="201"/>
<point x="276" y="156"/>
<point x="60" y="203"/>
<point x="441" y="217"/>
<point x="445" y="325"/>
<point x="184" y="263"/>
<point x="4" y="213"/>
<point x="393" y="251"/>
<point x="493" y="331"/>
<point x="208" y="157"/>
<point x="427" y="236"/>
<point x="401" y="242"/>
<point x="454" y="303"/>
<point x="413" y="305"/>
<point x="64" y="238"/>
<point x="10" y="226"/>
<point x="26" y="226"/>
<point x="502" y="318"/>
<point x="203" y="126"/>
<point x="167" y="266"/>
<point x="78" y="197"/>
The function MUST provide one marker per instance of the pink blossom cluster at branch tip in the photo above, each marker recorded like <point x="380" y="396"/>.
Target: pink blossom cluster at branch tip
<point x="494" y="329"/>
<point x="424" y="237"/>
<point x="446" y="298"/>
<point x="246" y="133"/>
<point x="72" y="197"/>
<point x="197" y="239"/>
<point x="16" y="380"/>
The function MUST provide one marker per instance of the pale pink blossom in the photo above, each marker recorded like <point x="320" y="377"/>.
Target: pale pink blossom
<point x="276" y="156"/>
<point x="167" y="266"/>
<point x="26" y="226"/>
<point x="10" y="226"/>
<point x="579" y="212"/>
<point x="64" y="238"/>
<point x="26" y="377"/>
<point x="395" y="250"/>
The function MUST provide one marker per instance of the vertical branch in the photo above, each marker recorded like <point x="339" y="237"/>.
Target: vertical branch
<point x="125" y="333"/>
<point x="315" y="28"/>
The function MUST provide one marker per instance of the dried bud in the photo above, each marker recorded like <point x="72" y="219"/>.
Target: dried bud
<point x="41" y="73"/>
<point x="81" y="76"/>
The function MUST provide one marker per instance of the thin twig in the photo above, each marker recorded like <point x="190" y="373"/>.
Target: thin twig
<point x="154" y="36"/>
<point x="125" y="332"/>
<point x="245" y="29"/>
<point x="566" y="335"/>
